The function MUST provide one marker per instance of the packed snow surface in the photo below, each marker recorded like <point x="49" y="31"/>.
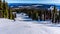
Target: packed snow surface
<point x="25" y="25"/>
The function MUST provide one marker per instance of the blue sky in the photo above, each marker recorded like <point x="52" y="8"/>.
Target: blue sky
<point x="35" y="1"/>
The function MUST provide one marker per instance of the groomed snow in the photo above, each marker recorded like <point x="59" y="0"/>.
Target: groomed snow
<point x="20" y="26"/>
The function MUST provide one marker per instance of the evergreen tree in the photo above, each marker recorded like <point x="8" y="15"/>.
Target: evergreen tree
<point x="5" y="9"/>
<point x="35" y="15"/>
<point x="54" y="15"/>
<point x="1" y="9"/>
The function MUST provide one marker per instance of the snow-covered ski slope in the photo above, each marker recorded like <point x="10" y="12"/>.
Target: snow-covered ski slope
<point x="24" y="25"/>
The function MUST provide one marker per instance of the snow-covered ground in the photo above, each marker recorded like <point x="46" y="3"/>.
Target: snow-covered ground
<point x="25" y="25"/>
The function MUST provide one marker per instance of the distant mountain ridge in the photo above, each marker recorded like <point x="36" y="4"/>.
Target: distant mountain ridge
<point x="29" y="4"/>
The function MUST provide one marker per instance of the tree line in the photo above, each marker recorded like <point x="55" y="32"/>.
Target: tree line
<point x="5" y="10"/>
<point x="43" y="14"/>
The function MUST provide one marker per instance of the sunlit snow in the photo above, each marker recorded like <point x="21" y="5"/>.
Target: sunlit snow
<point x="22" y="26"/>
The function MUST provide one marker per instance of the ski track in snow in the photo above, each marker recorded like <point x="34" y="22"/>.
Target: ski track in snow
<point x="25" y="27"/>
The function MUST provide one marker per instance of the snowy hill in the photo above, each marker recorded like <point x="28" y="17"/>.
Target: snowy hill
<point x="20" y="26"/>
